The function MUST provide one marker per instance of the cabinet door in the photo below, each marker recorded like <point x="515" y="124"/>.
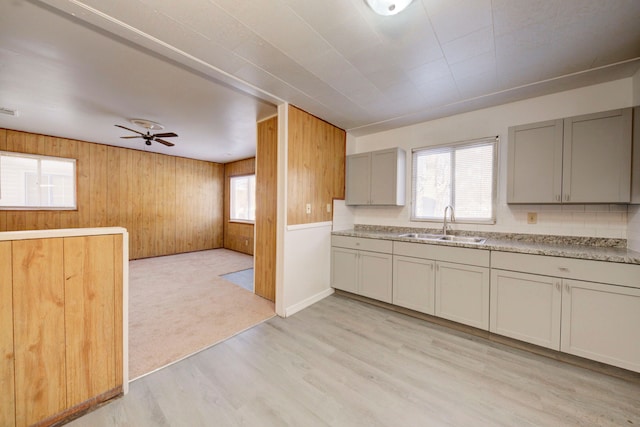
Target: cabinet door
<point x="526" y="307"/>
<point x="597" y="158"/>
<point x="7" y="391"/>
<point x="375" y="275"/>
<point x="600" y="322"/>
<point x="462" y="294"/>
<point x="344" y="269"/>
<point x="38" y="319"/>
<point x="90" y="316"/>
<point x="358" y="179"/>
<point x="386" y="183"/>
<point x="534" y="168"/>
<point x="413" y="283"/>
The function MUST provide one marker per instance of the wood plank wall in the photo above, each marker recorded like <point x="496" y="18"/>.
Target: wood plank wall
<point x="266" y="208"/>
<point x="238" y="236"/>
<point x="316" y="159"/>
<point x="168" y="204"/>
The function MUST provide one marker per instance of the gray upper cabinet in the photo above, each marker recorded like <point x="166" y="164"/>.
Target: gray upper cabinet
<point x="376" y="178"/>
<point x="582" y="159"/>
<point x="635" y="164"/>
<point x="597" y="158"/>
<point x="534" y="173"/>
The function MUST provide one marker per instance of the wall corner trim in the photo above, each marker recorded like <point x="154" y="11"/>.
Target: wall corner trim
<point x="293" y="309"/>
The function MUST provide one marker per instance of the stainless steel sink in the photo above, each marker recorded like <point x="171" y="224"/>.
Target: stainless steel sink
<point x="443" y="238"/>
<point x="463" y="239"/>
<point x="423" y="236"/>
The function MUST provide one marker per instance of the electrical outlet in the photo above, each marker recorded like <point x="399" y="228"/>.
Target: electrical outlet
<point x="328" y="207"/>
<point x="308" y="209"/>
<point x="532" y="218"/>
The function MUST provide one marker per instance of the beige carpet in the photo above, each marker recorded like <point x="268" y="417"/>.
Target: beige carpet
<point x="179" y="305"/>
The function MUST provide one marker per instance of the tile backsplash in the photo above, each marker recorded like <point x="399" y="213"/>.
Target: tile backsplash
<point x="568" y="220"/>
<point x="633" y="228"/>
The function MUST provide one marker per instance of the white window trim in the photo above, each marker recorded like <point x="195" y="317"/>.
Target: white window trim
<point x="40" y="157"/>
<point x="447" y="147"/>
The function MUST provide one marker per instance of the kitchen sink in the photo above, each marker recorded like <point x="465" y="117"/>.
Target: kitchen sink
<point x="443" y="238"/>
<point x="422" y="236"/>
<point x="463" y="239"/>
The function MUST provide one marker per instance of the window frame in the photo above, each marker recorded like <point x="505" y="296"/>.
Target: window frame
<point x="449" y="147"/>
<point x="40" y="158"/>
<point x="240" y="220"/>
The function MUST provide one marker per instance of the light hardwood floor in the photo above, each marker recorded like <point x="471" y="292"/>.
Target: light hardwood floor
<point x="342" y="362"/>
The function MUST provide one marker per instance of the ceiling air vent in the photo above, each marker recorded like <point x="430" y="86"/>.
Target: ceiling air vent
<point x="8" y="112"/>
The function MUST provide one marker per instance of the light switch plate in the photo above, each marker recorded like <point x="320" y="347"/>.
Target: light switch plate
<point x="308" y="209"/>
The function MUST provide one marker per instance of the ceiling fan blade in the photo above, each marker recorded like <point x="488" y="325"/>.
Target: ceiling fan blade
<point x="131" y="130"/>
<point x="165" y="135"/>
<point x="162" y="141"/>
<point x="129" y="137"/>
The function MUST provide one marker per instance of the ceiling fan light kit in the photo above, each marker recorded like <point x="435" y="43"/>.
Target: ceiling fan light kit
<point x="147" y="124"/>
<point x="388" y="7"/>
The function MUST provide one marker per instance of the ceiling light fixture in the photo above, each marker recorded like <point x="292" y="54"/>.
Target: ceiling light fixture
<point x="388" y="7"/>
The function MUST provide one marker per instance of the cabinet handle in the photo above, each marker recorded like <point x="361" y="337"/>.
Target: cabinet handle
<point x="567" y="288"/>
<point x="558" y="198"/>
<point x="563" y="269"/>
<point x="558" y="286"/>
<point x="567" y="197"/>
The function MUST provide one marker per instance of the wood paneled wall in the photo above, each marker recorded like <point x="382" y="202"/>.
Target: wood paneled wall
<point x="168" y="204"/>
<point x="266" y="208"/>
<point x="238" y="236"/>
<point x="316" y="159"/>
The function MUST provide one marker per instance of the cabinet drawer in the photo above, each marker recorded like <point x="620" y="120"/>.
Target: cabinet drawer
<point x="478" y="257"/>
<point x="437" y="252"/>
<point x="569" y="268"/>
<point x="415" y="250"/>
<point x="361" y="243"/>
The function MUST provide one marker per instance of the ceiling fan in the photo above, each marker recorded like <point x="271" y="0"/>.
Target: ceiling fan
<point x="149" y="137"/>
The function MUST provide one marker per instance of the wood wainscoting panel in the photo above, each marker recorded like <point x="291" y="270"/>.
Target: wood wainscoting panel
<point x="266" y="209"/>
<point x="7" y="388"/>
<point x="168" y="204"/>
<point x="39" y="329"/>
<point x="315" y="170"/>
<point x="238" y="236"/>
<point x="90" y="277"/>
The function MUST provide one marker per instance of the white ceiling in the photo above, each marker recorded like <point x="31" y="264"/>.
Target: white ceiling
<point x="208" y="69"/>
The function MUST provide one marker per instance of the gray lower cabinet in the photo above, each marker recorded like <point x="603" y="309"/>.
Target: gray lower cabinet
<point x="462" y="294"/>
<point x="448" y="282"/>
<point x="594" y="320"/>
<point x="414" y="283"/>
<point x="600" y="322"/>
<point x="362" y="266"/>
<point x="526" y="307"/>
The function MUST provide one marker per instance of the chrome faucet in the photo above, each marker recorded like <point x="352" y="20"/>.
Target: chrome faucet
<point x="444" y="221"/>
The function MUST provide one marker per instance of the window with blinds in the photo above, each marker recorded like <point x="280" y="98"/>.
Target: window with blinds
<point x="462" y="175"/>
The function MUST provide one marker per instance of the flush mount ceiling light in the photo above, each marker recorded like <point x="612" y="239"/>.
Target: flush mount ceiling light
<point x="388" y="7"/>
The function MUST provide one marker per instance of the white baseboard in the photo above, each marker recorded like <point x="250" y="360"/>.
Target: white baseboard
<point x="291" y="310"/>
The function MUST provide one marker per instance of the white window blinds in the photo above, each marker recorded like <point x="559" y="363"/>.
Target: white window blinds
<point x="462" y="175"/>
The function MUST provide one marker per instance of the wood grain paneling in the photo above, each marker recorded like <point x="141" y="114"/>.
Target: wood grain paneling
<point x="315" y="170"/>
<point x="89" y="273"/>
<point x="7" y="397"/>
<point x="118" y="315"/>
<point x="266" y="209"/>
<point x="237" y="236"/>
<point x="168" y="204"/>
<point x="39" y="335"/>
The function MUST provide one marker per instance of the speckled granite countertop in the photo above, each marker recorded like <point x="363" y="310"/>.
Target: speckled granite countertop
<point x="599" y="249"/>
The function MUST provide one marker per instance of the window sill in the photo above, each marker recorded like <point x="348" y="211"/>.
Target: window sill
<point x="241" y="221"/>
